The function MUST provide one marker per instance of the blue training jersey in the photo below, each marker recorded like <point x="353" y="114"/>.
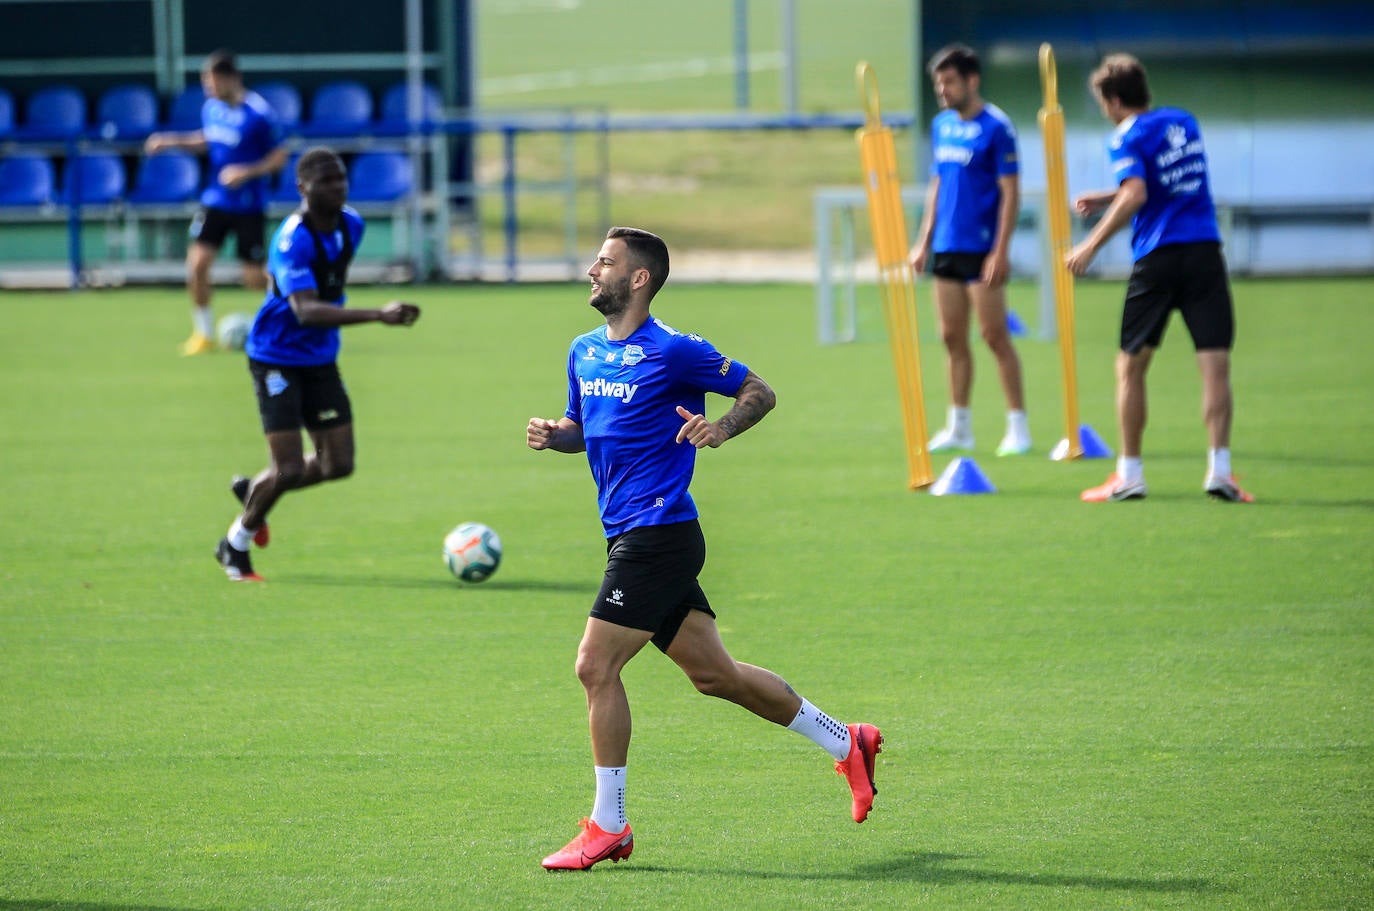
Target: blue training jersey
<point x="300" y="260"/>
<point x="1163" y="147"/>
<point x="625" y="395"/>
<point x="238" y="134"/>
<point x="969" y="156"/>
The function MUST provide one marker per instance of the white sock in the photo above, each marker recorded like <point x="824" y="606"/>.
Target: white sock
<point x="203" y="318"/>
<point x="609" y="810"/>
<point x="960" y="420"/>
<point x="1129" y="468"/>
<point x="1218" y="463"/>
<point x="827" y="733"/>
<point x="239" y="537"/>
<point x="1016" y="423"/>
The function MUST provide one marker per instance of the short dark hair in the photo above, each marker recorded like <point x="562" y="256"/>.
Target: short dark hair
<point x="1122" y="77"/>
<point x="961" y="57"/>
<point x="222" y="63"/>
<point x="313" y="160"/>
<point x="648" y="251"/>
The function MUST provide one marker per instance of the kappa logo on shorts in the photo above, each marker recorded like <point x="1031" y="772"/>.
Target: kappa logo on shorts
<point x="276" y="383"/>
<point x="328" y="414"/>
<point x="616" y="597"/>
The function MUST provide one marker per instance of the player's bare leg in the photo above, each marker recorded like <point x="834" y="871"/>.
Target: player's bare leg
<point x="698" y="650"/>
<point x="1217" y="408"/>
<point x="199" y="258"/>
<point x="990" y="303"/>
<point x="952" y="305"/>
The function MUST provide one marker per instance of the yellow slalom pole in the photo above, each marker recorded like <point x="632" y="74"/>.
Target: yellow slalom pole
<point x="1057" y="205"/>
<point x="879" y="158"/>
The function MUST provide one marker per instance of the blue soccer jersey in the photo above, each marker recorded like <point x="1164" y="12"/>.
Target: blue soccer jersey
<point x="625" y="395"/>
<point x="301" y="259"/>
<point x="238" y="134"/>
<point x="1163" y="147"/>
<point x="969" y="156"/>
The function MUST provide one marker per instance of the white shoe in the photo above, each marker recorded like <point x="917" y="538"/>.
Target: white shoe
<point x="947" y="440"/>
<point x="1014" y="443"/>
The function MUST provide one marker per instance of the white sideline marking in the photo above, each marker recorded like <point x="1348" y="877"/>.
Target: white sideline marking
<point x="520" y="7"/>
<point x="691" y="68"/>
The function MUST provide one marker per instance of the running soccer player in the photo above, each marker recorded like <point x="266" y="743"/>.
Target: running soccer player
<point x="971" y="208"/>
<point x="240" y="133"/>
<point x="292" y="351"/>
<point x="636" y="396"/>
<point x="1160" y="165"/>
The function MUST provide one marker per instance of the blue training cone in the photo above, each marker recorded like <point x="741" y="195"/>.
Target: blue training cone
<point x="1093" y="446"/>
<point x="1015" y="327"/>
<point x="962" y="476"/>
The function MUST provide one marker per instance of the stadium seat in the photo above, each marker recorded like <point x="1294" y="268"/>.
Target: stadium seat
<point x="284" y="99"/>
<point x="166" y="178"/>
<point x="343" y="105"/>
<point x="184" y="111"/>
<point x="56" y="109"/>
<point x="284" y="184"/>
<point x="380" y="177"/>
<point x="6" y="113"/>
<point x="26" y="180"/>
<point x="394" y="105"/>
<point x="101" y="179"/>
<point x="126" y="111"/>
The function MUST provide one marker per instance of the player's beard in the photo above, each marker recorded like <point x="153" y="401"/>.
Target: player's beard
<point x="612" y="300"/>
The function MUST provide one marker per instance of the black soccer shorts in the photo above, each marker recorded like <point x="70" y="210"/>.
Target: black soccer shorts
<point x="1189" y="278"/>
<point x="963" y="267"/>
<point x="211" y="226"/>
<point x="651" y="579"/>
<point x="290" y="398"/>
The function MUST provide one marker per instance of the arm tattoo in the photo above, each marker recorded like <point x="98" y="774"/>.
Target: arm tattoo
<point x="754" y="399"/>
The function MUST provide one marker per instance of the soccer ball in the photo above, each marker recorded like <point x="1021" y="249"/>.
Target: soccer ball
<point x="232" y="330"/>
<point x="472" y="551"/>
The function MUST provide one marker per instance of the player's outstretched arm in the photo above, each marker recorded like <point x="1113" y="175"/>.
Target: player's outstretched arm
<point x="311" y="311"/>
<point x="753" y="400"/>
<point x="563" y="435"/>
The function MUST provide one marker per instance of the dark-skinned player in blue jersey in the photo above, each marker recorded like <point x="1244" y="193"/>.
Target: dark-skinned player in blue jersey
<point x="293" y="348"/>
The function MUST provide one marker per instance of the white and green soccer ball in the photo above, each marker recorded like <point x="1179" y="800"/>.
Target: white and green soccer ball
<point x="472" y="551"/>
<point x="232" y="331"/>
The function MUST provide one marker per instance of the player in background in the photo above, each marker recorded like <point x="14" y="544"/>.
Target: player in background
<point x="240" y="133"/>
<point x="636" y="397"/>
<point x="972" y="203"/>
<point x="1163" y="192"/>
<point x="292" y="351"/>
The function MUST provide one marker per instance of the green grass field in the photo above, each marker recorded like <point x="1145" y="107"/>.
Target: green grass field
<point x="752" y="189"/>
<point x="1161" y="704"/>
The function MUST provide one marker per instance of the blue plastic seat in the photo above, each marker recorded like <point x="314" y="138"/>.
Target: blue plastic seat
<point x="6" y="113"/>
<point x="26" y="180"/>
<point x="126" y="110"/>
<point x="394" y="105"/>
<point x="59" y="109"/>
<point x="101" y="180"/>
<point x="284" y="184"/>
<point x="380" y="177"/>
<point x="344" y="105"/>
<point x="166" y="178"/>
<point x="184" y="111"/>
<point x="284" y="99"/>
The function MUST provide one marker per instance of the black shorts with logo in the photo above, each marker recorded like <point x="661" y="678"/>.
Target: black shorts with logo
<point x="963" y="267"/>
<point x="1189" y="278"/>
<point x="211" y="226"/>
<point x="290" y="398"/>
<point x="651" y="579"/>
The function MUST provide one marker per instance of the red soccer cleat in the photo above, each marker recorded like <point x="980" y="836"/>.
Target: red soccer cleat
<point x="1226" y="489"/>
<point x="592" y="845"/>
<point x="865" y="743"/>
<point x="1115" y="490"/>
